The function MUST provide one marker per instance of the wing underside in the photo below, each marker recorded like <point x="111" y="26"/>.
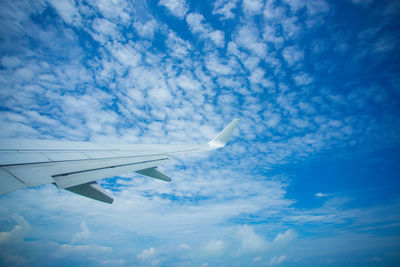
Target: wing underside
<point x="76" y="166"/>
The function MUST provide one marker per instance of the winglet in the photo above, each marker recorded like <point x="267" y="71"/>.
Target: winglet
<point x="223" y="137"/>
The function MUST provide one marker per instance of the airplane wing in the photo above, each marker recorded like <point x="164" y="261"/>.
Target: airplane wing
<point x="76" y="166"/>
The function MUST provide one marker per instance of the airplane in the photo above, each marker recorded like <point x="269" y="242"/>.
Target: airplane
<point x="76" y="166"/>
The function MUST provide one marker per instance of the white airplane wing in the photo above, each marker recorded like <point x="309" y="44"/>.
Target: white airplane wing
<point x="76" y="166"/>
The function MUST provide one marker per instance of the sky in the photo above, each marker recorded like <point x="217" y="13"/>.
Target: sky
<point x="309" y="178"/>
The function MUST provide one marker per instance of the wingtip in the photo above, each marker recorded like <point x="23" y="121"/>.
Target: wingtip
<point x="223" y="137"/>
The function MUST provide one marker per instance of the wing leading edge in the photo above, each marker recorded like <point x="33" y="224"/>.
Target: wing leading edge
<point x="76" y="166"/>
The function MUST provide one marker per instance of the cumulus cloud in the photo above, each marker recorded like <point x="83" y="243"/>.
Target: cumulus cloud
<point x="302" y="79"/>
<point x="225" y="8"/>
<point x="67" y="11"/>
<point x="247" y="37"/>
<point x="252" y="6"/>
<point x="283" y="239"/>
<point x="292" y="55"/>
<point x="148" y="256"/>
<point x="84" y="234"/>
<point x="215" y="247"/>
<point x="276" y="260"/>
<point x="105" y="30"/>
<point x="177" y="7"/>
<point x="250" y="241"/>
<point x="146" y="29"/>
<point x="10" y="62"/>
<point x="19" y="231"/>
<point x="196" y="24"/>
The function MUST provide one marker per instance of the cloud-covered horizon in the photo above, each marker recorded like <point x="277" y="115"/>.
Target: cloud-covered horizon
<point x="309" y="177"/>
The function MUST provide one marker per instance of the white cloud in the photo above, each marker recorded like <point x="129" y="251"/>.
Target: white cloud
<point x="292" y="55"/>
<point x="284" y="239"/>
<point x="276" y="260"/>
<point x="272" y="35"/>
<point x="303" y="79"/>
<point x="225" y="8"/>
<point x="25" y="73"/>
<point x="147" y="254"/>
<point x="295" y="5"/>
<point x="257" y="259"/>
<point x="247" y="37"/>
<point x="115" y="10"/>
<point x="218" y="65"/>
<point x="105" y="29"/>
<point x="315" y="7"/>
<point x="127" y="55"/>
<point x="84" y="234"/>
<point x="215" y="247"/>
<point x="177" y="7"/>
<point x="272" y="119"/>
<point x="19" y="231"/>
<point x="178" y="47"/>
<point x="196" y="24"/>
<point x="184" y="247"/>
<point x="252" y="6"/>
<point x="146" y="29"/>
<point x="160" y="95"/>
<point x="273" y="12"/>
<point x="10" y="62"/>
<point x="290" y="28"/>
<point x="250" y="241"/>
<point x="67" y="11"/>
<point x="319" y="195"/>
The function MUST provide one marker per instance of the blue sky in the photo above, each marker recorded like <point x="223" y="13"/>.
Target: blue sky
<point x="310" y="177"/>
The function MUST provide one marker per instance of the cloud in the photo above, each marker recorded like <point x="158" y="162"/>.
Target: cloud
<point x="67" y="11"/>
<point x="177" y="7"/>
<point x="225" y="8"/>
<point x="250" y="241"/>
<point x="105" y="30"/>
<point x="147" y="29"/>
<point x="303" y="79"/>
<point x="292" y="55"/>
<point x="283" y="239"/>
<point x="10" y="62"/>
<point x="148" y="256"/>
<point x="196" y="24"/>
<point x="84" y="234"/>
<point x="19" y="231"/>
<point x="247" y="37"/>
<point x="252" y="6"/>
<point x="276" y="260"/>
<point x="215" y="247"/>
<point x="295" y="5"/>
<point x="320" y="195"/>
<point x="118" y="11"/>
<point x="178" y="47"/>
